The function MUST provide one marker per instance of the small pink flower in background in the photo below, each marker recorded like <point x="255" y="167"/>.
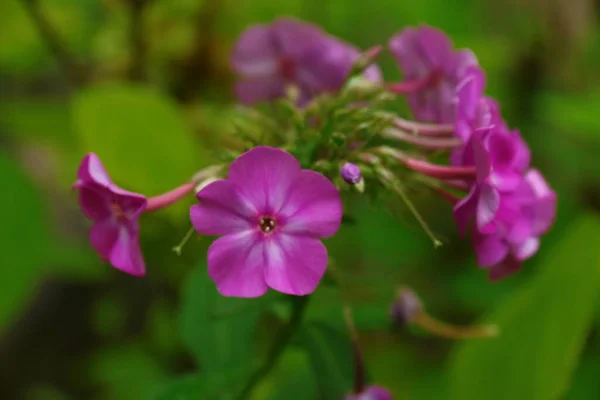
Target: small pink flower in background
<point x="271" y="214"/>
<point x="289" y="51"/>
<point x="426" y="55"/>
<point x="371" y="393"/>
<point x="115" y="212"/>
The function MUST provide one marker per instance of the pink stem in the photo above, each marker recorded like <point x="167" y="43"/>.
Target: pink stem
<point x="460" y="185"/>
<point x="440" y="171"/>
<point x="432" y="143"/>
<point x="166" y="199"/>
<point x="443" y="172"/>
<point x="450" y="197"/>
<point x="425" y="129"/>
<point x="407" y="87"/>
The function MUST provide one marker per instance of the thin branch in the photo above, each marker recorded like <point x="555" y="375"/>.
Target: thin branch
<point x="72" y="69"/>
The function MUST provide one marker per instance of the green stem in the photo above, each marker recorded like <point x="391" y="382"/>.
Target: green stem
<point x="280" y="343"/>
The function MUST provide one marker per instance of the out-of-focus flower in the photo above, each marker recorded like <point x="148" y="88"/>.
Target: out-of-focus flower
<point x="512" y="206"/>
<point x="115" y="212"/>
<point x="267" y="58"/>
<point x="406" y="307"/>
<point x="523" y="216"/>
<point x="372" y="392"/>
<point x="351" y="173"/>
<point x="271" y="214"/>
<point x="428" y="60"/>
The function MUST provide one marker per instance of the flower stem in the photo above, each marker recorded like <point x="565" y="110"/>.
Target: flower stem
<point x="443" y="329"/>
<point x="283" y="338"/>
<point x="444" y="172"/>
<point x="423" y="128"/>
<point x="407" y="87"/>
<point x="359" y="365"/>
<point x="166" y="199"/>
<point x="431" y="143"/>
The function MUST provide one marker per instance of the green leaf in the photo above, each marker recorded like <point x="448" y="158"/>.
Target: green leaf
<point x="210" y="386"/>
<point x="219" y="331"/>
<point x="24" y="237"/>
<point x="292" y="380"/>
<point x="543" y="327"/>
<point x="330" y="354"/>
<point x="139" y="135"/>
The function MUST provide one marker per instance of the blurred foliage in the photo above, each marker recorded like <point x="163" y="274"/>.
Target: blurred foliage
<point x="73" y="328"/>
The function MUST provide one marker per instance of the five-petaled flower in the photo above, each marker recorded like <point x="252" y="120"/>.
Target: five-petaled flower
<point x="115" y="212"/>
<point x="271" y="214"/>
<point x="267" y="58"/>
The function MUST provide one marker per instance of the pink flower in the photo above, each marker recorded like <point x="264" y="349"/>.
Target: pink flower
<point x="371" y="393"/>
<point x="523" y="216"/>
<point x="115" y="212"/>
<point x="289" y="51"/>
<point x="271" y="214"/>
<point x="426" y="55"/>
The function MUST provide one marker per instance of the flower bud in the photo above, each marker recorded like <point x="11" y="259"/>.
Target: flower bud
<point x="406" y="307"/>
<point x="351" y="173"/>
<point x="371" y="393"/>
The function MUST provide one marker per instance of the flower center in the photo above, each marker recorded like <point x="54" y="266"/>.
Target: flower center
<point x="287" y="68"/>
<point x="118" y="211"/>
<point x="266" y="224"/>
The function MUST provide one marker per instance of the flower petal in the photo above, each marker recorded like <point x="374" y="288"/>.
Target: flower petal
<point x="222" y="210"/>
<point x="126" y="254"/>
<point x="487" y="208"/>
<point x="293" y="37"/>
<point x="103" y="236"/>
<point x="264" y="176"/>
<point x="257" y="90"/>
<point x="91" y="170"/>
<point x="294" y="264"/>
<point x="504" y="269"/>
<point x="236" y="263"/>
<point x="313" y="206"/>
<point x="255" y="55"/>
<point x="95" y="202"/>
<point x="526" y="249"/>
<point x="490" y="249"/>
<point x="465" y="209"/>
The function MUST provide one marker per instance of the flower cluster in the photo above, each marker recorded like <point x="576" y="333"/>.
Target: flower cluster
<point x="510" y="203"/>
<point x="274" y="206"/>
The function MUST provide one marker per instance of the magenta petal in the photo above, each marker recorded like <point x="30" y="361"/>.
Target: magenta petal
<point x="91" y="170"/>
<point x="504" y="269"/>
<point x="236" y="263"/>
<point x="294" y="37"/>
<point x="222" y="210"/>
<point x="294" y="264"/>
<point x="264" y="176"/>
<point x="257" y="90"/>
<point x="126" y="254"/>
<point x="465" y="209"/>
<point x="490" y="249"/>
<point x="526" y="249"/>
<point x="103" y="236"/>
<point x="95" y="203"/>
<point x="313" y="206"/>
<point x="487" y="208"/>
<point x="254" y="55"/>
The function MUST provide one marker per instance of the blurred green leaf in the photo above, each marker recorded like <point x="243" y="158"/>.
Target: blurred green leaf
<point x="24" y="236"/>
<point x="139" y="135"/>
<point x="209" y="386"/>
<point x="330" y="354"/>
<point x="543" y="327"/>
<point x="218" y="330"/>
<point x="292" y="380"/>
